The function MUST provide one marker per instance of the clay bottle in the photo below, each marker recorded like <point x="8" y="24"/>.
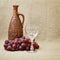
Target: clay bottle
<point x="16" y="26"/>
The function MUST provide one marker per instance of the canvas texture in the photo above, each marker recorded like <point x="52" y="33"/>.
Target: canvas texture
<point x="44" y="14"/>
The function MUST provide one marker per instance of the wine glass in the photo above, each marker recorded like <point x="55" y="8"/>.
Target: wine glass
<point x="31" y="32"/>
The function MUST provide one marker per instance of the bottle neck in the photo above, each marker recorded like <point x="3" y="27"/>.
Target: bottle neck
<point x="15" y="10"/>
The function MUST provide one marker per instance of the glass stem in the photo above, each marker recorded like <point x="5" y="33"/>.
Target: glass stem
<point x="32" y="48"/>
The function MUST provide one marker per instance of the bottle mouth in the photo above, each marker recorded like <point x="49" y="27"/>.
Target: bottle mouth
<point x="15" y="5"/>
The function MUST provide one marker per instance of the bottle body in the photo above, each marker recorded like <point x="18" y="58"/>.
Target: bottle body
<point x="15" y="27"/>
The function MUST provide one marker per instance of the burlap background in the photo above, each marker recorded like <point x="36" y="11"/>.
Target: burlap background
<point x="43" y="13"/>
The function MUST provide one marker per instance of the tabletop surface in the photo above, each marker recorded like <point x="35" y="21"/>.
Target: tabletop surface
<point x="49" y="50"/>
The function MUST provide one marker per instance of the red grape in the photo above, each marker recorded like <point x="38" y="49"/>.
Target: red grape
<point x="23" y="45"/>
<point x="14" y="46"/>
<point x="12" y="42"/>
<point x="23" y="37"/>
<point x="28" y="41"/>
<point x="20" y="48"/>
<point x="24" y="41"/>
<point x="9" y="44"/>
<point x="6" y="41"/>
<point x="29" y="45"/>
<point x="19" y="42"/>
<point x="27" y="48"/>
<point x="16" y="42"/>
<point x="9" y="48"/>
<point x="35" y="45"/>
<point x="18" y="45"/>
<point x="16" y="39"/>
<point x="5" y="46"/>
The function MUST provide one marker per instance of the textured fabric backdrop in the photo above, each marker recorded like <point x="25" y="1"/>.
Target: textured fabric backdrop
<point x="45" y="14"/>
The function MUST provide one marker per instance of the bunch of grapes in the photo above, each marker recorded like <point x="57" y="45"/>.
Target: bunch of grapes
<point x="20" y="44"/>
